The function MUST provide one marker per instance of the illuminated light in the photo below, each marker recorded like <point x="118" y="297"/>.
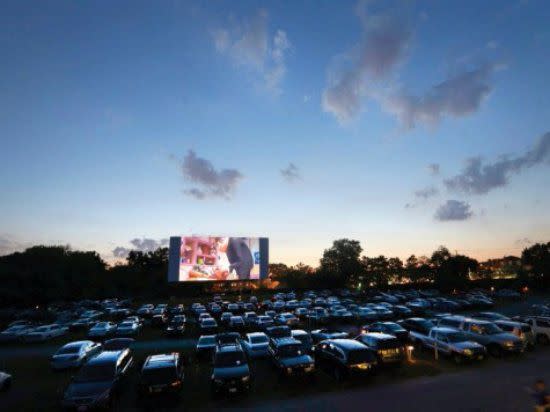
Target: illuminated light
<point x="175" y="384"/>
<point x="492" y="288"/>
<point x="410" y="348"/>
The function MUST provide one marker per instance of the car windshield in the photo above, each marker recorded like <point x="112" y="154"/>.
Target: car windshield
<point x="456" y="337"/>
<point x="258" y="339"/>
<point x="95" y="373"/>
<point x="207" y="340"/>
<point x="486" y="329"/>
<point x="393" y="327"/>
<point x="66" y="350"/>
<point x="360" y="356"/>
<point x="229" y="359"/>
<point x="156" y="376"/>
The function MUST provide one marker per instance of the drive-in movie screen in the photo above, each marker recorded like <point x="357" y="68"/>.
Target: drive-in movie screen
<point x="217" y="258"/>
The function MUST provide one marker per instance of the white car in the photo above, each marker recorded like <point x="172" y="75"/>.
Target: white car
<point x="14" y="333"/>
<point x="74" y="354"/>
<point x="5" y="381"/>
<point x="102" y="329"/>
<point x="44" y="333"/>
<point x="255" y="344"/>
<point x="541" y="328"/>
<point x="127" y="328"/>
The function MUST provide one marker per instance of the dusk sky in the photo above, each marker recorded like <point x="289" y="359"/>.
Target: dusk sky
<point x="405" y="125"/>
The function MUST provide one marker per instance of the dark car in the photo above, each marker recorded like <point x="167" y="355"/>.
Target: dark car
<point x="388" y="348"/>
<point x="344" y="358"/>
<point x="417" y="325"/>
<point x="322" y="334"/>
<point x="231" y="373"/>
<point x="206" y="346"/>
<point x="278" y="332"/>
<point x="289" y="357"/>
<point x="159" y="319"/>
<point x="208" y="326"/>
<point x="98" y="383"/>
<point x="176" y="327"/>
<point x="228" y="338"/>
<point x="118" y="344"/>
<point x="390" y="328"/>
<point x="161" y="373"/>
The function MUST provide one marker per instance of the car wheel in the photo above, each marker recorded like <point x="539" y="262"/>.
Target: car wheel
<point x="495" y="351"/>
<point x="543" y="339"/>
<point x="457" y="359"/>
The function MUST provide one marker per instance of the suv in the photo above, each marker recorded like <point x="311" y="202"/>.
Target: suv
<point x="389" y="349"/>
<point x="231" y="374"/>
<point x="289" y="357"/>
<point x="98" y="383"/>
<point x="161" y="373"/>
<point x="344" y="357"/>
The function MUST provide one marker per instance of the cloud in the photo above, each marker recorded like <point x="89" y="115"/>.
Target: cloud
<point x="142" y="245"/>
<point x="248" y="44"/>
<point x="453" y="210"/>
<point x="479" y="177"/>
<point x="434" y="169"/>
<point x="8" y="245"/>
<point x="291" y="173"/>
<point x="459" y="95"/>
<point x="426" y="193"/>
<point x="383" y="45"/>
<point x="211" y="182"/>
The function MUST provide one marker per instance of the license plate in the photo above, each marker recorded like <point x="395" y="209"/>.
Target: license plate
<point x="232" y="390"/>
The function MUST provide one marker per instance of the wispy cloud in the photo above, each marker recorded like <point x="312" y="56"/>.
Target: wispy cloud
<point x="426" y="193"/>
<point x="143" y="245"/>
<point x="434" y="169"/>
<point x="384" y="42"/>
<point x="453" y="210"/>
<point x="479" y="177"/>
<point x="207" y="181"/>
<point x="291" y="173"/>
<point x="459" y="95"/>
<point x="250" y="45"/>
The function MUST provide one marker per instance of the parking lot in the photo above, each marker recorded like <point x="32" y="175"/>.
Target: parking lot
<point x="36" y="386"/>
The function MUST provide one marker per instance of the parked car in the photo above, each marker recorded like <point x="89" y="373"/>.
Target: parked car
<point x="264" y="322"/>
<point x="98" y="383"/>
<point x="255" y="344"/>
<point x="344" y="358"/>
<point x="364" y="313"/>
<point x="74" y="354"/>
<point x="304" y="338"/>
<point x="228" y="338"/>
<point x="388" y="348"/>
<point x="225" y="317"/>
<point x="278" y="331"/>
<point x="390" y="328"/>
<point x="102" y="330"/>
<point x="455" y="344"/>
<point x="176" y="326"/>
<point x="44" y="333"/>
<point x="286" y="318"/>
<point x="250" y="318"/>
<point x="490" y="316"/>
<point x="419" y="329"/>
<point x="230" y="373"/>
<point x="289" y="358"/>
<point x="161" y="374"/>
<point x="236" y="323"/>
<point x="128" y="328"/>
<point x="208" y="326"/>
<point x="15" y="332"/>
<point x="540" y="326"/>
<point x="206" y="344"/>
<point x="5" y="381"/>
<point x="322" y="334"/>
<point x="519" y="329"/>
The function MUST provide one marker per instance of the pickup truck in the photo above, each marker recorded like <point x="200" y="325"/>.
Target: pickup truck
<point x="419" y="329"/>
<point x="455" y="344"/>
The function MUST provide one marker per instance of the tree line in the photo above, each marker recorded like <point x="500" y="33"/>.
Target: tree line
<point x="43" y="274"/>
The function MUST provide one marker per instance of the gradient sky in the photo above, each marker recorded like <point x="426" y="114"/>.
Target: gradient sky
<point x="405" y="125"/>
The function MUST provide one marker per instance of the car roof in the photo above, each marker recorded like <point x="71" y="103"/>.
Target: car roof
<point x="254" y="334"/>
<point x="161" y="360"/>
<point x="507" y="322"/>
<point x="347" y="344"/>
<point x="444" y="329"/>
<point x="77" y="343"/>
<point x="107" y="356"/>
<point x="286" y="341"/>
<point x="296" y="332"/>
<point x="379" y="335"/>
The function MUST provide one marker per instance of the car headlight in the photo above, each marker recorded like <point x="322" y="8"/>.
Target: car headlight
<point x="289" y="370"/>
<point x="245" y="378"/>
<point x="509" y="344"/>
<point x="309" y="368"/>
<point x="468" y="352"/>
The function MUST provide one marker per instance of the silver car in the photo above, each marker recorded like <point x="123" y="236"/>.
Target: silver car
<point x="74" y="354"/>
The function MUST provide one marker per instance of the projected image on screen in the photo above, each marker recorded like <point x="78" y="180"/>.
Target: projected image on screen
<point x="215" y="258"/>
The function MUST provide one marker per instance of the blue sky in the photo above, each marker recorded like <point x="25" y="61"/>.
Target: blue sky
<point x="301" y="121"/>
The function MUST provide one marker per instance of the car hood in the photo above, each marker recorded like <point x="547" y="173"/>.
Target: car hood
<point x="231" y="372"/>
<point x="296" y="361"/>
<point x="467" y="345"/>
<point x="87" y="389"/>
